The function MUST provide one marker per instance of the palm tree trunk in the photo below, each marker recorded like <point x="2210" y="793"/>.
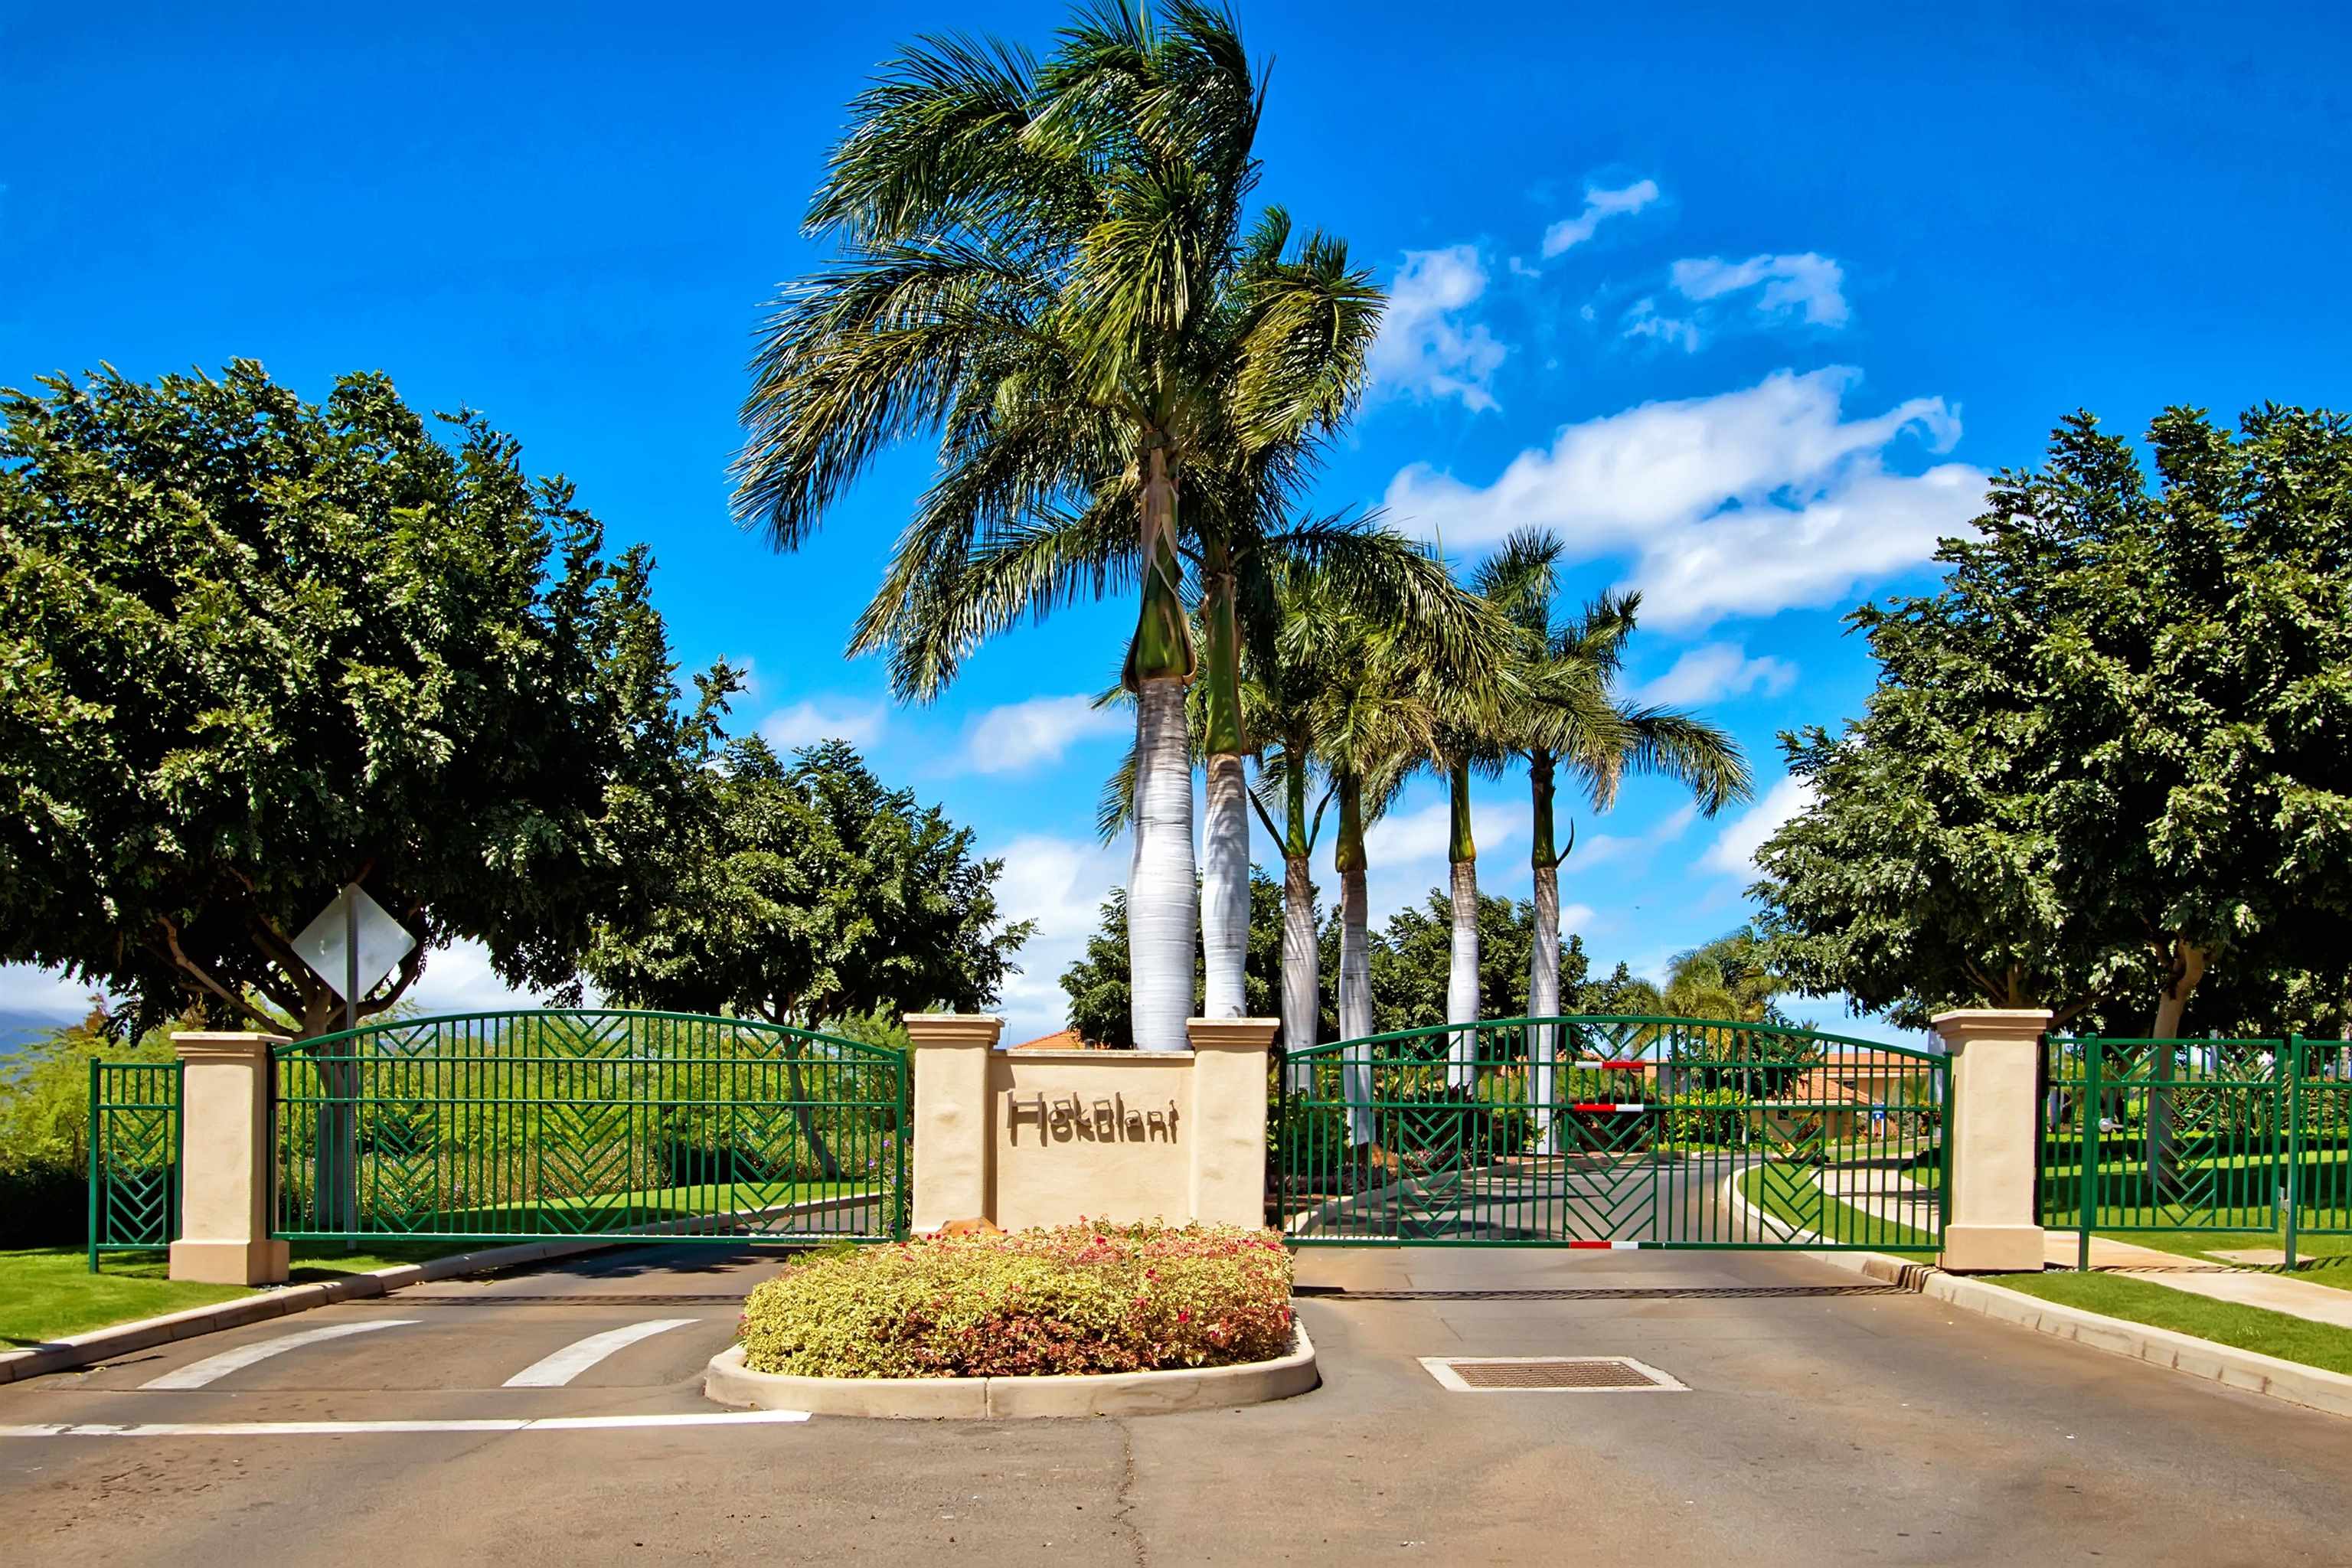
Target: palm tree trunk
<point x="1354" y="959"/>
<point x="1543" y="958"/>
<point x="1159" y="888"/>
<point x="1225" y="854"/>
<point x="1462" y="977"/>
<point x="1301" y="983"/>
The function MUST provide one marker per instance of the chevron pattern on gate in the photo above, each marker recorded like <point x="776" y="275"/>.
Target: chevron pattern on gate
<point x="597" y="1122"/>
<point x="1611" y="1131"/>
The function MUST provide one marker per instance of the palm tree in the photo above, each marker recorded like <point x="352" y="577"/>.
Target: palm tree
<point x="1319" y="600"/>
<point x="1315" y="631"/>
<point x="1047" y="267"/>
<point x="1460" y="723"/>
<point x="1725" y="979"/>
<point x="1584" y="655"/>
<point x="1367" y="750"/>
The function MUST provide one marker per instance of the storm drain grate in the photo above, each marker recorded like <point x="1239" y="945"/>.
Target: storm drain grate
<point x="1549" y="1374"/>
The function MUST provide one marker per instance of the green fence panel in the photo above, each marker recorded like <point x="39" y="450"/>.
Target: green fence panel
<point x="135" y="1156"/>
<point x="1611" y="1131"/>
<point x="2172" y="1135"/>
<point x="2318" y="1183"/>
<point x="505" y="1126"/>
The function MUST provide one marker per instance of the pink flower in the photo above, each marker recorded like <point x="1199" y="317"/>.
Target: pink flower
<point x="1183" y="1317"/>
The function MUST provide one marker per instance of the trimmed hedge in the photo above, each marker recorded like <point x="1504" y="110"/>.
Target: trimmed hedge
<point x="1087" y="1297"/>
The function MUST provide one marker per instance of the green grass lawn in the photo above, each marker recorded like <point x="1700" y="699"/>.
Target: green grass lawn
<point x="2160" y="1307"/>
<point x="49" y="1292"/>
<point x="1833" y="1220"/>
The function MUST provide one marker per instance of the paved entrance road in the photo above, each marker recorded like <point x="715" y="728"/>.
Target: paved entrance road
<point x="1829" y="1421"/>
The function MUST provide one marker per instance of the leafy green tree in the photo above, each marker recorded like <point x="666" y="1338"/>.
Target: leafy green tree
<point x="2105" y="761"/>
<point x="1048" y="267"/>
<point x="1096" y="981"/>
<point x="252" y="649"/>
<point x="1412" y="962"/>
<point x="808" y="893"/>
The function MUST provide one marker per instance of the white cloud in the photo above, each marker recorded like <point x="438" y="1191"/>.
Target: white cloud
<point x="1717" y="669"/>
<point x="1602" y="847"/>
<point x="459" y="979"/>
<point x="1734" y="853"/>
<point x="1022" y="734"/>
<point x="824" y="719"/>
<point x="1746" y="503"/>
<point x="1808" y="284"/>
<point x="1643" y="321"/>
<point x="1575" y="919"/>
<point x="1416" y="838"/>
<point x="42" y="993"/>
<point x="1599" y="206"/>
<point x="1426" y="346"/>
<point x="1060" y="883"/>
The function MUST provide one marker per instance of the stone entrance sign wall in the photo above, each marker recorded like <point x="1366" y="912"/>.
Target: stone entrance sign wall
<point x="1038" y="1138"/>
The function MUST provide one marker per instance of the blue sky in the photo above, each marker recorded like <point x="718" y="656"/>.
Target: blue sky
<point x="1746" y="304"/>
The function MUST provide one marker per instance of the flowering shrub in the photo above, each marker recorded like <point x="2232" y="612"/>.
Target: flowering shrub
<point x="1079" y="1298"/>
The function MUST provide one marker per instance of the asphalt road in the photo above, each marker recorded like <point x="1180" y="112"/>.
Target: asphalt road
<point x="1827" y="1420"/>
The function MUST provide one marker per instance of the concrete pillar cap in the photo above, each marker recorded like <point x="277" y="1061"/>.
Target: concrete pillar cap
<point x="953" y="1028"/>
<point x="1232" y="1034"/>
<point x="198" y="1045"/>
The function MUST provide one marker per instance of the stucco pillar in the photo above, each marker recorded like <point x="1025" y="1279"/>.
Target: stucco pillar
<point x="954" y="1135"/>
<point x="1995" y="1224"/>
<point x="1229" y="1091"/>
<point x="224" y="1162"/>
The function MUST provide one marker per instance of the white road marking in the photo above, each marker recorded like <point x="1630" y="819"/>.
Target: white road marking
<point x="195" y="1375"/>
<point x="568" y="1363"/>
<point x="356" y="1428"/>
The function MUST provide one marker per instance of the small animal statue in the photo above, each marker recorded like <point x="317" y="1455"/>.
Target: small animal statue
<point x="982" y="1226"/>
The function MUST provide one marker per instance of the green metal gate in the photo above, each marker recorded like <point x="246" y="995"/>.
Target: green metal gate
<point x="2318" y="1185"/>
<point x="135" y="1156"/>
<point x="1618" y="1131"/>
<point x="501" y="1126"/>
<point x="2212" y="1135"/>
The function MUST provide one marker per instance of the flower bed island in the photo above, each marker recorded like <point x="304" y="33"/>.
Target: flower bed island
<point x="1078" y="1320"/>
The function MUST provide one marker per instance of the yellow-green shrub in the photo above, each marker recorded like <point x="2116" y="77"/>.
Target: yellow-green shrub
<point x="1077" y="1299"/>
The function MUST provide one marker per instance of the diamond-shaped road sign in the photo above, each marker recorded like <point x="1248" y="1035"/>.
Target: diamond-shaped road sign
<point x="326" y="942"/>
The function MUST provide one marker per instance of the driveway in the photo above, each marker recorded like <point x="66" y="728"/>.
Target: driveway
<point x="1826" y="1419"/>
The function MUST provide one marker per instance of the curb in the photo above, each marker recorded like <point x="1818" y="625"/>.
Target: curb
<point x="2289" y="1382"/>
<point x="146" y="1333"/>
<point x="728" y="1382"/>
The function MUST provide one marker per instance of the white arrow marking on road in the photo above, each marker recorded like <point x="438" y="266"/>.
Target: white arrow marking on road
<point x="572" y="1360"/>
<point x="355" y="1428"/>
<point x="197" y="1374"/>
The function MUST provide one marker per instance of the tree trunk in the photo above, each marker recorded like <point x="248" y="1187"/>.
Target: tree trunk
<point x="1462" y="977"/>
<point x="1226" y="887"/>
<point x="1302" y="1002"/>
<point x="335" y="1120"/>
<point x="1159" y="918"/>
<point x="1543" y="1002"/>
<point x="1355" y="960"/>
<point x="804" y="1114"/>
<point x="1543" y="958"/>
<point x="1225" y="852"/>
<point x="2188" y="969"/>
<point x="1160" y="892"/>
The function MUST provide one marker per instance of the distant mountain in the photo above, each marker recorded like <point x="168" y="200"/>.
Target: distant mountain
<point x="19" y="1029"/>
